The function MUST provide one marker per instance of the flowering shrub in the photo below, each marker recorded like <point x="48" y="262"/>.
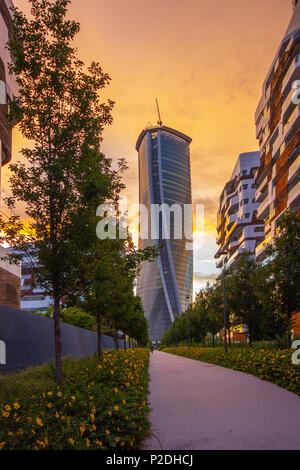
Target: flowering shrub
<point x="102" y="405"/>
<point x="272" y="365"/>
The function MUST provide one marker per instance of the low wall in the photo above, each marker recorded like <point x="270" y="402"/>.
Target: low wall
<point x="29" y="340"/>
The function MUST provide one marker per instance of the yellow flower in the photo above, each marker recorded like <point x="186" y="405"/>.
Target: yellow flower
<point x="82" y="429"/>
<point x="2" y="444"/>
<point x="123" y="401"/>
<point x="116" y="390"/>
<point x="16" y="406"/>
<point x="88" y="442"/>
<point x="71" y="440"/>
<point x="5" y="414"/>
<point x="49" y="405"/>
<point x="39" y="421"/>
<point x="7" y="407"/>
<point x="112" y="372"/>
<point x="59" y="394"/>
<point x="109" y="413"/>
<point x="92" y="417"/>
<point x="50" y="394"/>
<point x="73" y="398"/>
<point x="99" y="443"/>
<point x="107" y="432"/>
<point x="116" y="408"/>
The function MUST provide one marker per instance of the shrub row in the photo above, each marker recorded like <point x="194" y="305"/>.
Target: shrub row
<point x="102" y="405"/>
<point x="271" y="365"/>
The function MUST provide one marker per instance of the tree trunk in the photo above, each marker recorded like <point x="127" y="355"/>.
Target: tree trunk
<point x="213" y="340"/>
<point x="99" y="334"/>
<point x="229" y="335"/>
<point x="250" y="336"/>
<point x="58" y="343"/>
<point x="124" y="341"/>
<point x="290" y="317"/>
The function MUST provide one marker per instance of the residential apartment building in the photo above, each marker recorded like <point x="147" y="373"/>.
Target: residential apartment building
<point x="10" y="275"/>
<point x="33" y="297"/>
<point x="166" y="284"/>
<point x="278" y="131"/>
<point x="239" y="228"/>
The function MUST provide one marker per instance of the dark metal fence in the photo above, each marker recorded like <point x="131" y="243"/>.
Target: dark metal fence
<point x="29" y="340"/>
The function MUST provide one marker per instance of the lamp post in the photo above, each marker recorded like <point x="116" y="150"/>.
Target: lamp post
<point x="188" y="320"/>
<point x="224" y="252"/>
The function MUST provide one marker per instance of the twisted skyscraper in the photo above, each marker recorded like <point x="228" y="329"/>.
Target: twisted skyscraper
<point x="164" y="285"/>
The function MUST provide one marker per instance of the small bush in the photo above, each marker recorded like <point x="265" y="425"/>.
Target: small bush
<point x="268" y="364"/>
<point x="102" y="405"/>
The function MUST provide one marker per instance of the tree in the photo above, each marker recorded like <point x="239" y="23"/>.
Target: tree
<point x="215" y="310"/>
<point x="107" y="279"/>
<point x="242" y="287"/>
<point x="284" y="268"/>
<point x="64" y="175"/>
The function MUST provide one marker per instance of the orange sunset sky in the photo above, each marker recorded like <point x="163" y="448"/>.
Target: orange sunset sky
<point x="204" y="60"/>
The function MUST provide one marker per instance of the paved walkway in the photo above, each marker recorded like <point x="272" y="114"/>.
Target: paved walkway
<point x="203" y="406"/>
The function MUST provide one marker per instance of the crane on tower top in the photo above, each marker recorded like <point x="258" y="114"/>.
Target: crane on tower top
<point x="159" y="122"/>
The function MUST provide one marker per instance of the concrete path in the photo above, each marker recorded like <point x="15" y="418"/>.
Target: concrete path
<point x="203" y="406"/>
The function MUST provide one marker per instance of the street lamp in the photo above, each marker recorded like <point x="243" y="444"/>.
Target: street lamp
<point x="188" y="318"/>
<point x="225" y="253"/>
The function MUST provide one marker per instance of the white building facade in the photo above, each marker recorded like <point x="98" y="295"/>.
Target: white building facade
<point x="238" y="226"/>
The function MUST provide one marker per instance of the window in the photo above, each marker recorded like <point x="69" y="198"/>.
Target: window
<point x="244" y="186"/>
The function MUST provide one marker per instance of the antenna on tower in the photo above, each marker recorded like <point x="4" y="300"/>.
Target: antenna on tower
<point x="159" y="122"/>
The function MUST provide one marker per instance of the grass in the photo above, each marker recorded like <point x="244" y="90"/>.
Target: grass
<point x="272" y="365"/>
<point x="102" y="405"/>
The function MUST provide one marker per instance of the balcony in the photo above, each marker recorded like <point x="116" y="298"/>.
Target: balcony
<point x="288" y="101"/>
<point x="294" y="167"/>
<point x="293" y="72"/>
<point x="291" y="120"/>
<point x="261" y="248"/>
<point x="262" y="196"/>
<point x="263" y="209"/>
<point x="230" y="221"/>
<point x="294" y="193"/>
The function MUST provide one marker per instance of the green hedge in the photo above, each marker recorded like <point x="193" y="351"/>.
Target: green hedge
<point x="102" y="405"/>
<point x="272" y="365"/>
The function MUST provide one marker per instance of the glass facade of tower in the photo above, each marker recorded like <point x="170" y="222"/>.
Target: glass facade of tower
<point x="165" y="178"/>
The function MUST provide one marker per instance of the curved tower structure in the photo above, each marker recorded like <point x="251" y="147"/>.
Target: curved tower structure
<point x="166" y="284"/>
